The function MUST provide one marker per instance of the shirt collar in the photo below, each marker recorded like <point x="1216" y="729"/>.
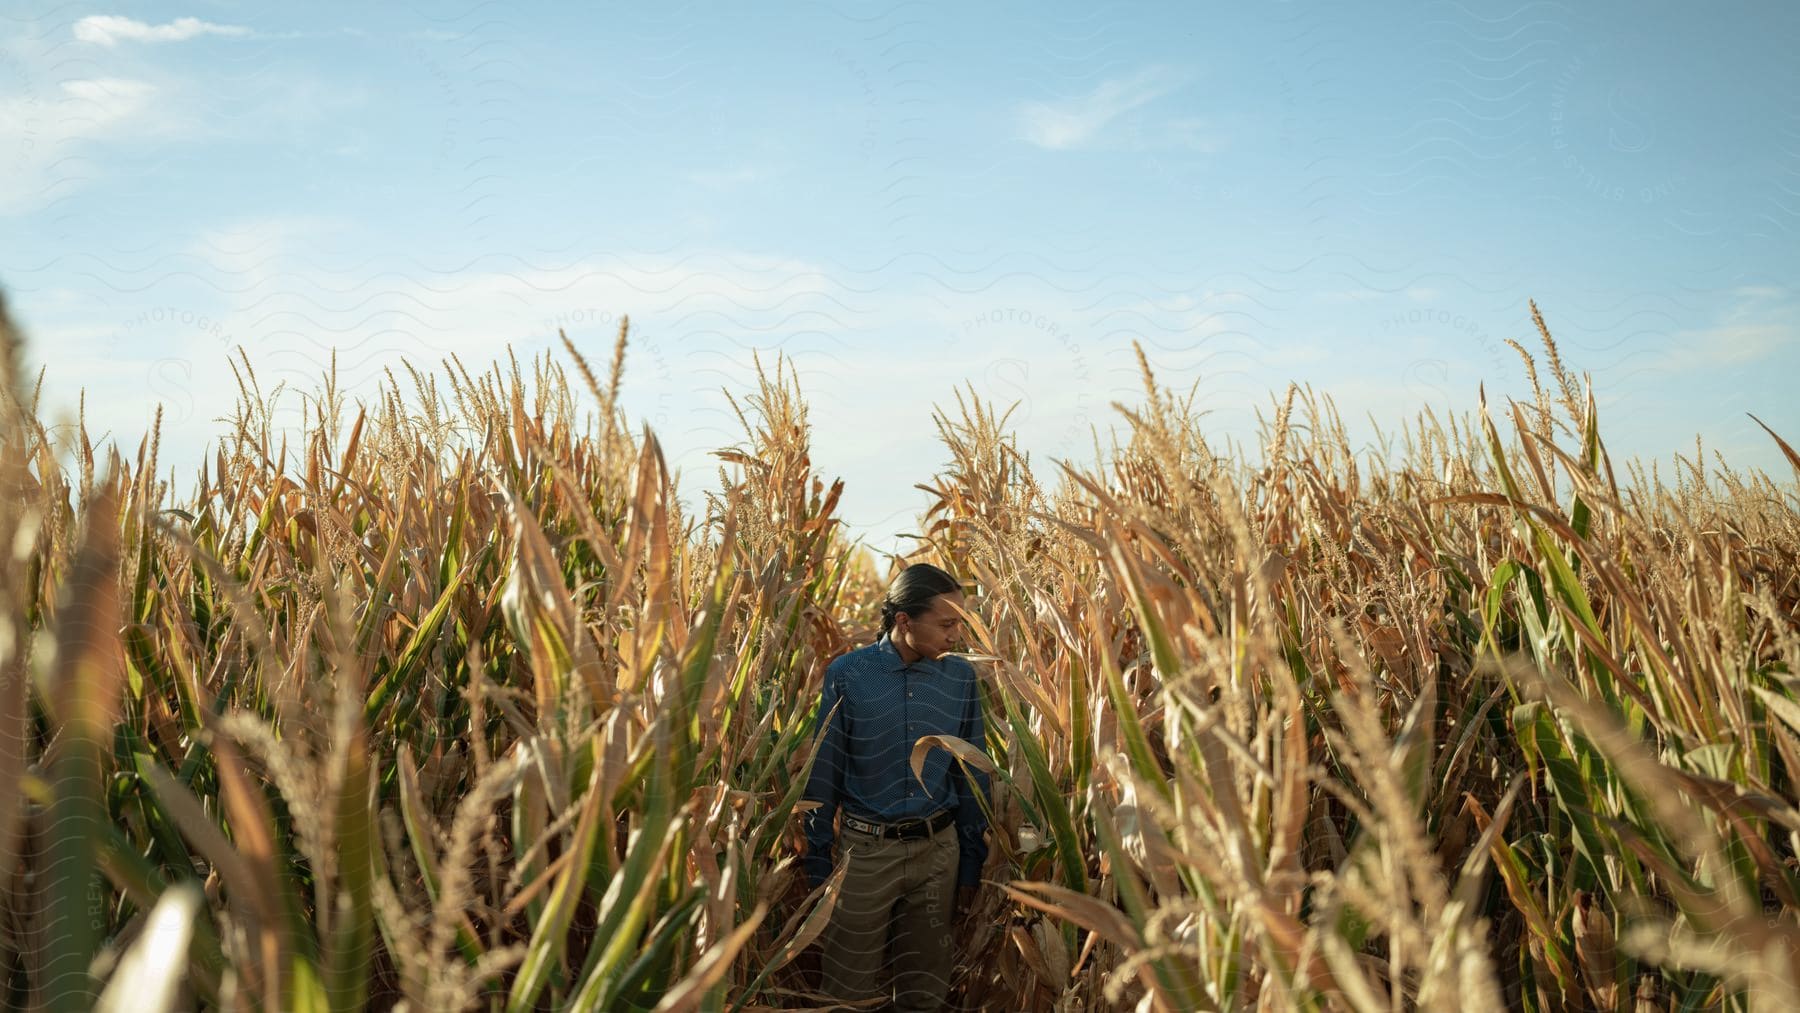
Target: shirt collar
<point x="895" y="662"/>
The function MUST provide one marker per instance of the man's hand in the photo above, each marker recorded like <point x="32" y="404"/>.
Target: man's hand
<point x="965" y="901"/>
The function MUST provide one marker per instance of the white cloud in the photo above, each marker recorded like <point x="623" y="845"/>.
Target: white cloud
<point x="1731" y="344"/>
<point x="1763" y="322"/>
<point x="1073" y="123"/>
<point x="1746" y="343"/>
<point x="41" y="130"/>
<point x="111" y="29"/>
<point x="109" y="98"/>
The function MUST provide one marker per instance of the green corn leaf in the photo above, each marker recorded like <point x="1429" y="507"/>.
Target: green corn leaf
<point x="1051" y="802"/>
<point x="626" y="908"/>
<point x="347" y="957"/>
<point x="413" y="654"/>
<point x="653" y="966"/>
<point x="550" y="939"/>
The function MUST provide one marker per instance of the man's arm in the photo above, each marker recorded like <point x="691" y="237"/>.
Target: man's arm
<point x="971" y="822"/>
<point x="824" y="785"/>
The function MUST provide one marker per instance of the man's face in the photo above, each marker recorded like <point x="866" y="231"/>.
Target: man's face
<point x="938" y="630"/>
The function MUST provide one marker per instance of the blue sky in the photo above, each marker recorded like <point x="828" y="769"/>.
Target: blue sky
<point x="907" y="199"/>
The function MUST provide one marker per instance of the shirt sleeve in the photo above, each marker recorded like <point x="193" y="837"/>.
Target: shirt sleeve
<point x="825" y="785"/>
<point x="971" y="822"/>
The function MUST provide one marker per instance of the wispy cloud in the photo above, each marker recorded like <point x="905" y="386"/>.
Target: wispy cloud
<point x="112" y="29"/>
<point x="109" y="98"/>
<point x="1762" y="323"/>
<point x="1075" y="122"/>
<point x="45" y="130"/>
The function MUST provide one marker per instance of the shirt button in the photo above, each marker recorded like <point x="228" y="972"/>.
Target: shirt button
<point x="909" y="694"/>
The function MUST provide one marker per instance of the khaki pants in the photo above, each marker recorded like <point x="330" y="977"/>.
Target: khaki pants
<point x="890" y="934"/>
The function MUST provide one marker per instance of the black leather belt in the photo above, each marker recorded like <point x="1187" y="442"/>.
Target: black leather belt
<point x="906" y="830"/>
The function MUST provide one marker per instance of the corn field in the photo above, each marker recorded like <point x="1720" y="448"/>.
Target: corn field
<point x="449" y="704"/>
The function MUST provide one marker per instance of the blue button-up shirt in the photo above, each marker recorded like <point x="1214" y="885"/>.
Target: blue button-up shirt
<point x="864" y="762"/>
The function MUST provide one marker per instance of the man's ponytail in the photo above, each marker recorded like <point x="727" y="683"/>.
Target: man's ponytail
<point x="912" y="592"/>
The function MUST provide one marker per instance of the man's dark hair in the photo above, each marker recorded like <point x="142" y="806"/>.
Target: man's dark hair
<point x="912" y="592"/>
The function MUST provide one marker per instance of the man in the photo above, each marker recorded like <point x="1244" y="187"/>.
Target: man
<point x="908" y="844"/>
